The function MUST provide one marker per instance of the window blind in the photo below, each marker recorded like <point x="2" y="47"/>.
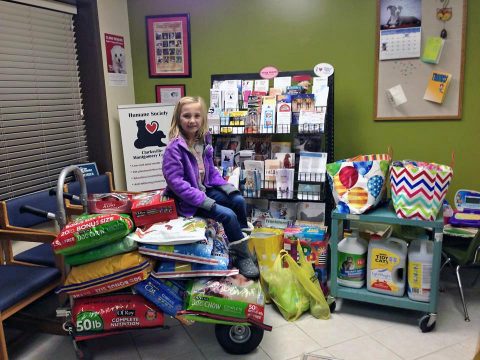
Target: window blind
<point x="42" y="129"/>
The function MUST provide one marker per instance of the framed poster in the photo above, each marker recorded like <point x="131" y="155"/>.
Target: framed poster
<point x="169" y="94"/>
<point x="419" y="74"/>
<point x="168" y="44"/>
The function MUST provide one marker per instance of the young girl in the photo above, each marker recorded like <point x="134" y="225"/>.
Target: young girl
<point x="195" y="184"/>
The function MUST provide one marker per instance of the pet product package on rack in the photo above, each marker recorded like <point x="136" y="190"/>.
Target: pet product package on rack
<point x="419" y="188"/>
<point x="109" y="203"/>
<point x="90" y="231"/>
<point x="358" y="184"/>
<point x="93" y="315"/>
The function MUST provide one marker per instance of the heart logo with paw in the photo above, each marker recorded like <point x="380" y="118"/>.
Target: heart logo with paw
<point x="152" y="127"/>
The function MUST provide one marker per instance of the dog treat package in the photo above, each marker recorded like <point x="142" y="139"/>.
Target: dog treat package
<point x="178" y="269"/>
<point x="167" y="295"/>
<point x="109" y="203"/>
<point x="90" y="231"/>
<point x="93" y="315"/>
<point x="106" y="275"/>
<point x="174" y="232"/>
<point x="200" y="252"/>
<point x="123" y="246"/>
<point x="232" y="297"/>
<point x="150" y="208"/>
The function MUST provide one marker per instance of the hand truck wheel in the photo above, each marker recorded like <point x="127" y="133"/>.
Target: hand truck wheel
<point x="238" y="339"/>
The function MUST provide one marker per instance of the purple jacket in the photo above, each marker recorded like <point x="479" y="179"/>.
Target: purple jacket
<point x="181" y="173"/>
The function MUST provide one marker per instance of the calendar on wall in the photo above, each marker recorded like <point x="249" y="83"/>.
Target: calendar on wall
<point x="400" y="43"/>
<point x="400" y="29"/>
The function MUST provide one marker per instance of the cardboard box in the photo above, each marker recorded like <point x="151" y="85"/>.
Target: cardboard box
<point x="151" y="208"/>
<point x="109" y="203"/>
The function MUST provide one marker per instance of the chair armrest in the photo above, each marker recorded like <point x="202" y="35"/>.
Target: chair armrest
<point x="29" y="236"/>
<point x="29" y="230"/>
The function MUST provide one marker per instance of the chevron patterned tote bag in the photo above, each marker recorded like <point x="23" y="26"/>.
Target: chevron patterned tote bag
<point x="418" y="188"/>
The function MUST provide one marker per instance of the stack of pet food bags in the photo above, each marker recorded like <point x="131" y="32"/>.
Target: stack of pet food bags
<point x="192" y="279"/>
<point x="104" y="259"/>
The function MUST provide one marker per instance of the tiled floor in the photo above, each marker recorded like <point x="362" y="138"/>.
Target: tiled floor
<point x="355" y="331"/>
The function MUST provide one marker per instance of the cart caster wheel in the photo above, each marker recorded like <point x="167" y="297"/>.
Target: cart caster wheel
<point x="427" y="323"/>
<point x="238" y="339"/>
<point x="82" y="351"/>
<point x="332" y="306"/>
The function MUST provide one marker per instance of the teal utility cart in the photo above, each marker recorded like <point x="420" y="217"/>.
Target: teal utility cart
<point x="386" y="215"/>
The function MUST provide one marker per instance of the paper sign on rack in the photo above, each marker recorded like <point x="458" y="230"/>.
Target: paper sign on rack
<point x="282" y="82"/>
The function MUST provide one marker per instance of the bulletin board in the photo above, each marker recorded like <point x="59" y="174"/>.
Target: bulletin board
<point x="413" y="74"/>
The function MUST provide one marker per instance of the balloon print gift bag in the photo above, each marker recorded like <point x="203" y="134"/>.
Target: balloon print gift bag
<point x="358" y="183"/>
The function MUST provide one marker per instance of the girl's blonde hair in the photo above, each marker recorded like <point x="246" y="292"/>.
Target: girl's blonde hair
<point x="176" y="129"/>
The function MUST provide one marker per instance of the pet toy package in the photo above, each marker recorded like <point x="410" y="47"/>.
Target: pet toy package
<point x="358" y="183"/>
<point x="167" y="295"/>
<point x="101" y="314"/>
<point x="106" y="275"/>
<point x="109" y="203"/>
<point x="150" y="208"/>
<point x="233" y="297"/>
<point x="419" y="188"/>
<point x="174" y="232"/>
<point x="90" y="231"/>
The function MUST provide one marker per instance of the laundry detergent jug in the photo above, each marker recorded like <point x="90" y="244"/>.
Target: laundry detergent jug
<point x="352" y="253"/>
<point x="420" y="259"/>
<point x="386" y="266"/>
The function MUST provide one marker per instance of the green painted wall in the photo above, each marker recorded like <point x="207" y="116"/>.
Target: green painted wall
<point x="232" y="36"/>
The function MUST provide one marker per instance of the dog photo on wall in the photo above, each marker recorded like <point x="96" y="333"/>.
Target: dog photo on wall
<point x="396" y="14"/>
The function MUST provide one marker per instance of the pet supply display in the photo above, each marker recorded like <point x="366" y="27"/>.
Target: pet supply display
<point x="109" y="203"/>
<point x="358" y="183"/>
<point x="231" y="297"/>
<point x="419" y="188"/>
<point x="174" y="232"/>
<point x="120" y="247"/>
<point x="167" y="295"/>
<point x="286" y="292"/>
<point x="386" y="266"/>
<point x="306" y="277"/>
<point x="420" y="260"/>
<point x="90" y="231"/>
<point x="93" y="315"/>
<point x="150" y="208"/>
<point x="106" y="275"/>
<point x="352" y="260"/>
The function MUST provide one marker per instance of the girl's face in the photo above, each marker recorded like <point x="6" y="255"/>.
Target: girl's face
<point x="191" y="120"/>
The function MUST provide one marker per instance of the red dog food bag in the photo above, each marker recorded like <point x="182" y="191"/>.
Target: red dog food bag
<point x="151" y="208"/>
<point x="90" y="231"/>
<point x="109" y="203"/>
<point x="92" y="315"/>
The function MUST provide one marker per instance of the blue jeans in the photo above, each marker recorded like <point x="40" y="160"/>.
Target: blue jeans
<point x="230" y="210"/>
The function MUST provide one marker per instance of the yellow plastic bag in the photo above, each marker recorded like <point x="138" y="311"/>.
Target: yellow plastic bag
<point x="266" y="243"/>
<point x="285" y="290"/>
<point x="307" y="278"/>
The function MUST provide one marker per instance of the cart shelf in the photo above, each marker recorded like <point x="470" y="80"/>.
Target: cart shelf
<point x="386" y="215"/>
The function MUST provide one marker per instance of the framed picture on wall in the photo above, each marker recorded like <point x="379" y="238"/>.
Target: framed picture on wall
<point x="168" y="44"/>
<point x="169" y="94"/>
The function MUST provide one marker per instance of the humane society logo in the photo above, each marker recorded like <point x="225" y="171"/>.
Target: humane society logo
<point x="149" y="134"/>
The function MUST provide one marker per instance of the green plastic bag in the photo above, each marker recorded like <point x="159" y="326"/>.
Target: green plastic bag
<point x="285" y="290"/>
<point x="305" y="275"/>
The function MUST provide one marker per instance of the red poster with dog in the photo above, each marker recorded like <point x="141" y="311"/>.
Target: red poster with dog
<point x="116" y="61"/>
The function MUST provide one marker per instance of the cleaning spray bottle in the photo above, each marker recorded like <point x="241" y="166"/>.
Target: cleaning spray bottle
<point x="352" y="254"/>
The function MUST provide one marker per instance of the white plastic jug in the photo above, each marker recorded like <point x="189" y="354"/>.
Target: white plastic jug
<point x="352" y="254"/>
<point x="386" y="266"/>
<point x="420" y="259"/>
